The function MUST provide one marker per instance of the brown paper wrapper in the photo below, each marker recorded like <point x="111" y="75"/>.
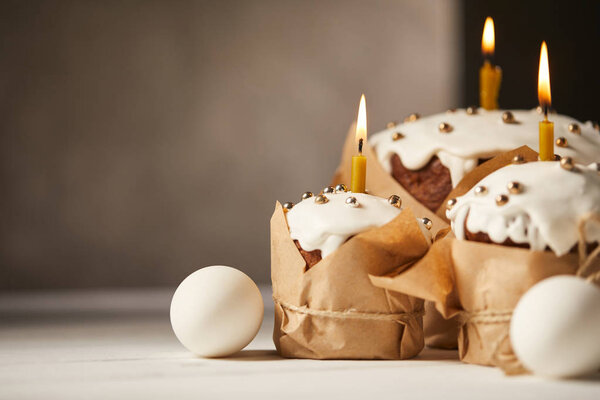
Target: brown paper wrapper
<point x="332" y="311"/>
<point x="478" y="284"/>
<point x="380" y="182"/>
<point x="475" y="286"/>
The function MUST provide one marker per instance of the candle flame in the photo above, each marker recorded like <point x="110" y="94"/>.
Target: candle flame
<point x="544" y="96"/>
<point x="361" y="124"/>
<point x="488" y="39"/>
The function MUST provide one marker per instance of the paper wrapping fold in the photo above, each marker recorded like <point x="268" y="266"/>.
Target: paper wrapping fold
<point x="380" y="182"/>
<point x="332" y="311"/>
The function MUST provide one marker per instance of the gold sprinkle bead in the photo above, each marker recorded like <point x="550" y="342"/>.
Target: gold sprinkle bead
<point x="575" y="129"/>
<point x="567" y="163"/>
<point x="395" y="200"/>
<point x="427" y="222"/>
<point x="471" y="110"/>
<point x="391" y="124"/>
<point x="329" y="190"/>
<point x="412" y="117"/>
<point x="397" y="136"/>
<point x="518" y="159"/>
<point x="596" y="126"/>
<point x="562" y="142"/>
<point x="321" y="199"/>
<point x="352" y="202"/>
<point x="539" y="110"/>
<point x="307" y="195"/>
<point x="501" y="199"/>
<point x="288" y="206"/>
<point x="557" y="157"/>
<point x="450" y="203"/>
<point x="480" y="190"/>
<point x="514" y="187"/>
<point x="508" y="117"/>
<point x="341" y="188"/>
<point x="445" y="127"/>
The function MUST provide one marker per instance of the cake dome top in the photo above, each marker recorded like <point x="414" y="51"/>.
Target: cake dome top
<point x="538" y="203"/>
<point x="470" y="136"/>
<point x="325" y="226"/>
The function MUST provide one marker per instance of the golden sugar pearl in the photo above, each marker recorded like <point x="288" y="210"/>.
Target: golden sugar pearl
<point x="341" y="188"/>
<point x="508" y="117"/>
<point x="397" y="136"/>
<point x="518" y="159"/>
<point x="321" y="199"/>
<point x="471" y="110"/>
<point x="445" y="127"/>
<point x="575" y="129"/>
<point x="480" y="190"/>
<point x="427" y="222"/>
<point x="557" y="157"/>
<point x="288" y="206"/>
<point x="539" y="109"/>
<point x="395" y="200"/>
<point x="596" y="126"/>
<point x="412" y="117"/>
<point x="567" y="163"/>
<point x="307" y="195"/>
<point x="450" y="203"/>
<point x="391" y="124"/>
<point x="501" y="199"/>
<point x="514" y="187"/>
<point x="562" y="142"/>
<point x="352" y="202"/>
<point x="329" y="190"/>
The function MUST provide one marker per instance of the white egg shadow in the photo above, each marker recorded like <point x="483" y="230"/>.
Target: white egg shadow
<point x="254" y="355"/>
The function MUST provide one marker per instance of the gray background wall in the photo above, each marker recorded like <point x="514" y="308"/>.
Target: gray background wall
<point x="140" y="140"/>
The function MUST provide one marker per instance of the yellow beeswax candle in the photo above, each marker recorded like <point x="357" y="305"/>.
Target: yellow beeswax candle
<point x="359" y="174"/>
<point x="545" y="98"/>
<point x="490" y="76"/>
<point x="359" y="162"/>
<point x="546" y="140"/>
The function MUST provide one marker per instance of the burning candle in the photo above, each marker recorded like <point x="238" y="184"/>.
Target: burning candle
<point x="545" y="99"/>
<point x="359" y="162"/>
<point x="490" y="75"/>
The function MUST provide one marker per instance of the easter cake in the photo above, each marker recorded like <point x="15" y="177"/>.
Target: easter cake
<point x="324" y="252"/>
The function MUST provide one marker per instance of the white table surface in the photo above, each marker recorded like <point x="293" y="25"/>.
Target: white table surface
<point x="119" y="344"/>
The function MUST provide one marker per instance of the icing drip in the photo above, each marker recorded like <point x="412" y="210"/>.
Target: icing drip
<point x="481" y="135"/>
<point x="327" y="226"/>
<point x="545" y="214"/>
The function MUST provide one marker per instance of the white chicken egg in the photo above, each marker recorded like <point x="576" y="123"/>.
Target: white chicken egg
<point x="216" y="311"/>
<point x="555" y="327"/>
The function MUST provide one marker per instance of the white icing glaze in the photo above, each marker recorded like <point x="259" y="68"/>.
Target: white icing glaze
<point x="327" y="226"/>
<point x="545" y="214"/>
<point x="482" y="135"/>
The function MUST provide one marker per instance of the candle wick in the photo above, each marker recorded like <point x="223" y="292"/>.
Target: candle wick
<point x="545" y="107"/>
<point x="360" y="146"/>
